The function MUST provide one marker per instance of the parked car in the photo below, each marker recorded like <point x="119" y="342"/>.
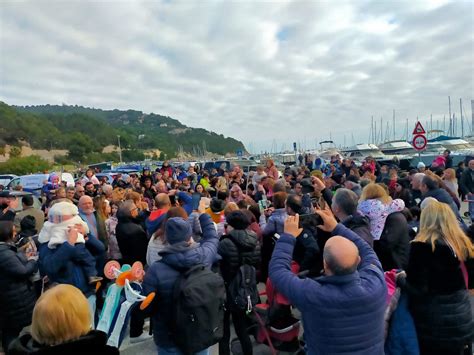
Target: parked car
<point x="20" y="194"/>
<point x="5" y="179"/>
<point x="34" y="182"/>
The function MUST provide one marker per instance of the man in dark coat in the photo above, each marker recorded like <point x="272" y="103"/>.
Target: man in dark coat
<point x="344" y="207"/>
<point x="8" y="204"/>
<point x="239" y="247"/>
<point x="343" y="311"/>
<point x="132" y="239"/>
<point x="181" y="253"/>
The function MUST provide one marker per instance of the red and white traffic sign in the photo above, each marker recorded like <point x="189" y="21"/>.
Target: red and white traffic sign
<point x="418" y="129"/>
<point x="419" y="142"/>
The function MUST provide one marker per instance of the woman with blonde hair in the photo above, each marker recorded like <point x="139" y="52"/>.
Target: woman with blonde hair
<point x="440" y="271"/>
<point x="376" y="204"/>
<point x="271" y="170"/>
<point x="450" y="180"/>
<point x="62" y="325"/>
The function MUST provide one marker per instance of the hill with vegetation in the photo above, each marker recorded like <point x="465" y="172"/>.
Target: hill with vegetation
<point x="86" y="131"/>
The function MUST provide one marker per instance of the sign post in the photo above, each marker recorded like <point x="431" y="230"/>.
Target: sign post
<point x="419" y="141"/>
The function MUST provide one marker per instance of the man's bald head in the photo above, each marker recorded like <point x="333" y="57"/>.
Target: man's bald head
<point x="86" y="205"/>
<point x="341" y="256"/>
<point x="162" y="200"/>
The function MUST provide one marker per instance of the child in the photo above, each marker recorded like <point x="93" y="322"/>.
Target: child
<point x="61" y="217"/>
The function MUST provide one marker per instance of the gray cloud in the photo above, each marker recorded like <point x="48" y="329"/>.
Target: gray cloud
<point x="268" y="73"/>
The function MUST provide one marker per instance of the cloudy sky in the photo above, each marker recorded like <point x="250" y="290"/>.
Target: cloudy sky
<point x="268" y="72"/>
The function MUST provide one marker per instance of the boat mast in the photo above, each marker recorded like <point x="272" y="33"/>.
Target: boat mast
<point x="462" y="120"/>
<point x="472" y="116"/>
<point x="450" y="125"/>
<point x="407" y="131"/>
<point x="393" y="124"/>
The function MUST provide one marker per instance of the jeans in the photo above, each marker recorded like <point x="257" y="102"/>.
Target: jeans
<point x="92" y="307"/>
<point x="176" y="351"/>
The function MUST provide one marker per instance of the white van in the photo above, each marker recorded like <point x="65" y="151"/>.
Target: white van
<point x="34" y="182"/>
<point x="6" y="178"/>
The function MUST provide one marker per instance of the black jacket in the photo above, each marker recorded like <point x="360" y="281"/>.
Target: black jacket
<point x="92" y="343"/>
<point x="360" y="225"/>
<point x="393" y="247"/>
<point x="467" y="183"/>
<point x="17" y="295"/>
<point x="306" y="252"/>
<point x="132" y="240"/>
<point x="438" y="299"/>
<point x="243" y="242"/>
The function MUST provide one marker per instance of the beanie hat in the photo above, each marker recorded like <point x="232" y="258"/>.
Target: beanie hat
<point x="352" y="178"/>
<point x="63" y="209"/>
<point x="420" y="165"/>
<point x="177" y="230"/>
<point x="238" y="220"/>
<point x="217" y="205"/>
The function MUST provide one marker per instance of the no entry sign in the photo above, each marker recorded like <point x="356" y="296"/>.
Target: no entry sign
<point x="419" y="142"/>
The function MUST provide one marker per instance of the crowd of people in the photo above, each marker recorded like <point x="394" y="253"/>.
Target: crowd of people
<point x="385" y="258"/>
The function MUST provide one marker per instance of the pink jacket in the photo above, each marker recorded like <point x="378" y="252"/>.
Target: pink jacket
<point x="377" y="213"/>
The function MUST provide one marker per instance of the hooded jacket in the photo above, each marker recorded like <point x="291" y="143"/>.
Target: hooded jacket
<point x="131" y="238"/>
<point x="92" y="343"/>
<point x="237" y="248"/>
<point x="162" y="276"/>
<point x="17" y="295"/>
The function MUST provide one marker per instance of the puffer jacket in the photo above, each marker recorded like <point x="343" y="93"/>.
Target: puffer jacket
<point x="162" y="276"/>
<point x="61" y="267"/>
<point x="438" y="299"/>
<point x="17" y="295"/>
<point x="275" y="222"/>
<point x="341" y="314"/>
<point x="237" y="248"/>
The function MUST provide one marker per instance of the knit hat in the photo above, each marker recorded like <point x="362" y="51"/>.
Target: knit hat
<point x="238" y="220"/>
<point x="420" y="165"/>
<point x="63" y="209"/>
<point x="307" y="186"/>
<point x="177" y="230"/>
<point x="217" y="205"/>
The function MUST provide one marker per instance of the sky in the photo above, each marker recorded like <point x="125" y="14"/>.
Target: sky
<point x="268" y="73"/>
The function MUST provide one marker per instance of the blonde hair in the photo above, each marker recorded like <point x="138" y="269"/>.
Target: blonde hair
<point x="438" y="222"/>
<point x="375" y="192"/>
<point x="230" y="207"/>
<point x="452" y="173"/>
<point x="132" y="195"/>
<point x="61" y="314"/>
<point x="221" y="184"/>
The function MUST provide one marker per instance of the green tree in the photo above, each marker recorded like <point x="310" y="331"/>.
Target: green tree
<point x="25" y="165"/>
<point x="15" y="152"/>
<point x="162" y="156"/>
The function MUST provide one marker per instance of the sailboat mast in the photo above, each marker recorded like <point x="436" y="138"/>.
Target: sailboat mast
<point x="393" y="124"/>
<point x="450" y="126"/>
<point x="407" y="131"/>
<point x="472" y="117"/>
<point x="462" y="120"/>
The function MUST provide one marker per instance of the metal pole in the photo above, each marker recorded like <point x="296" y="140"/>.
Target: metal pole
<point x="120" y="148"/>
<point x="462" y="121"/>
<point x="450" y="126"/>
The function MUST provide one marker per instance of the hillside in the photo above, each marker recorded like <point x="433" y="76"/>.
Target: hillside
<point x="89" y="130"/>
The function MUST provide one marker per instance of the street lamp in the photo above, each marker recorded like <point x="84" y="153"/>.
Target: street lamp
<point x="120" y="148"/>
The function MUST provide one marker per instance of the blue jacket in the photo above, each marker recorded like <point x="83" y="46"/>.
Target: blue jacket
<point x="341" y="314"/>
<point x="60" y="266"/>
<point x="162" y="276"/>
<point x="186" y="201"/>
<point x="275" y="222"/>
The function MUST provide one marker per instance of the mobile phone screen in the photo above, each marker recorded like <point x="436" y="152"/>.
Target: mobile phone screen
<point x="196" y="198"/>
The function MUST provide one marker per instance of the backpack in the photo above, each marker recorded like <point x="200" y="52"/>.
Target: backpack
<point x="198" y="311"/>
<point x="242" y="292"/>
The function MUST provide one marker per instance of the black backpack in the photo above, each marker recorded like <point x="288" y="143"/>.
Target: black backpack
<point x="198" y="310"/>
<point x="242" y="292"/>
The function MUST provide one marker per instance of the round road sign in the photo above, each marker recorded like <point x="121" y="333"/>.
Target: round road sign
<point x="419" y="142"/>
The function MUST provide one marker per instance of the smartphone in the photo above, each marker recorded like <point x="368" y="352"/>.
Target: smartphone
<point x="310" y="219"/>
<point x="196" y="198"/>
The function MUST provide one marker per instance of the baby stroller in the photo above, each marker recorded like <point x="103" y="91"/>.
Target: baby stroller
<point x="277" y="326"/>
